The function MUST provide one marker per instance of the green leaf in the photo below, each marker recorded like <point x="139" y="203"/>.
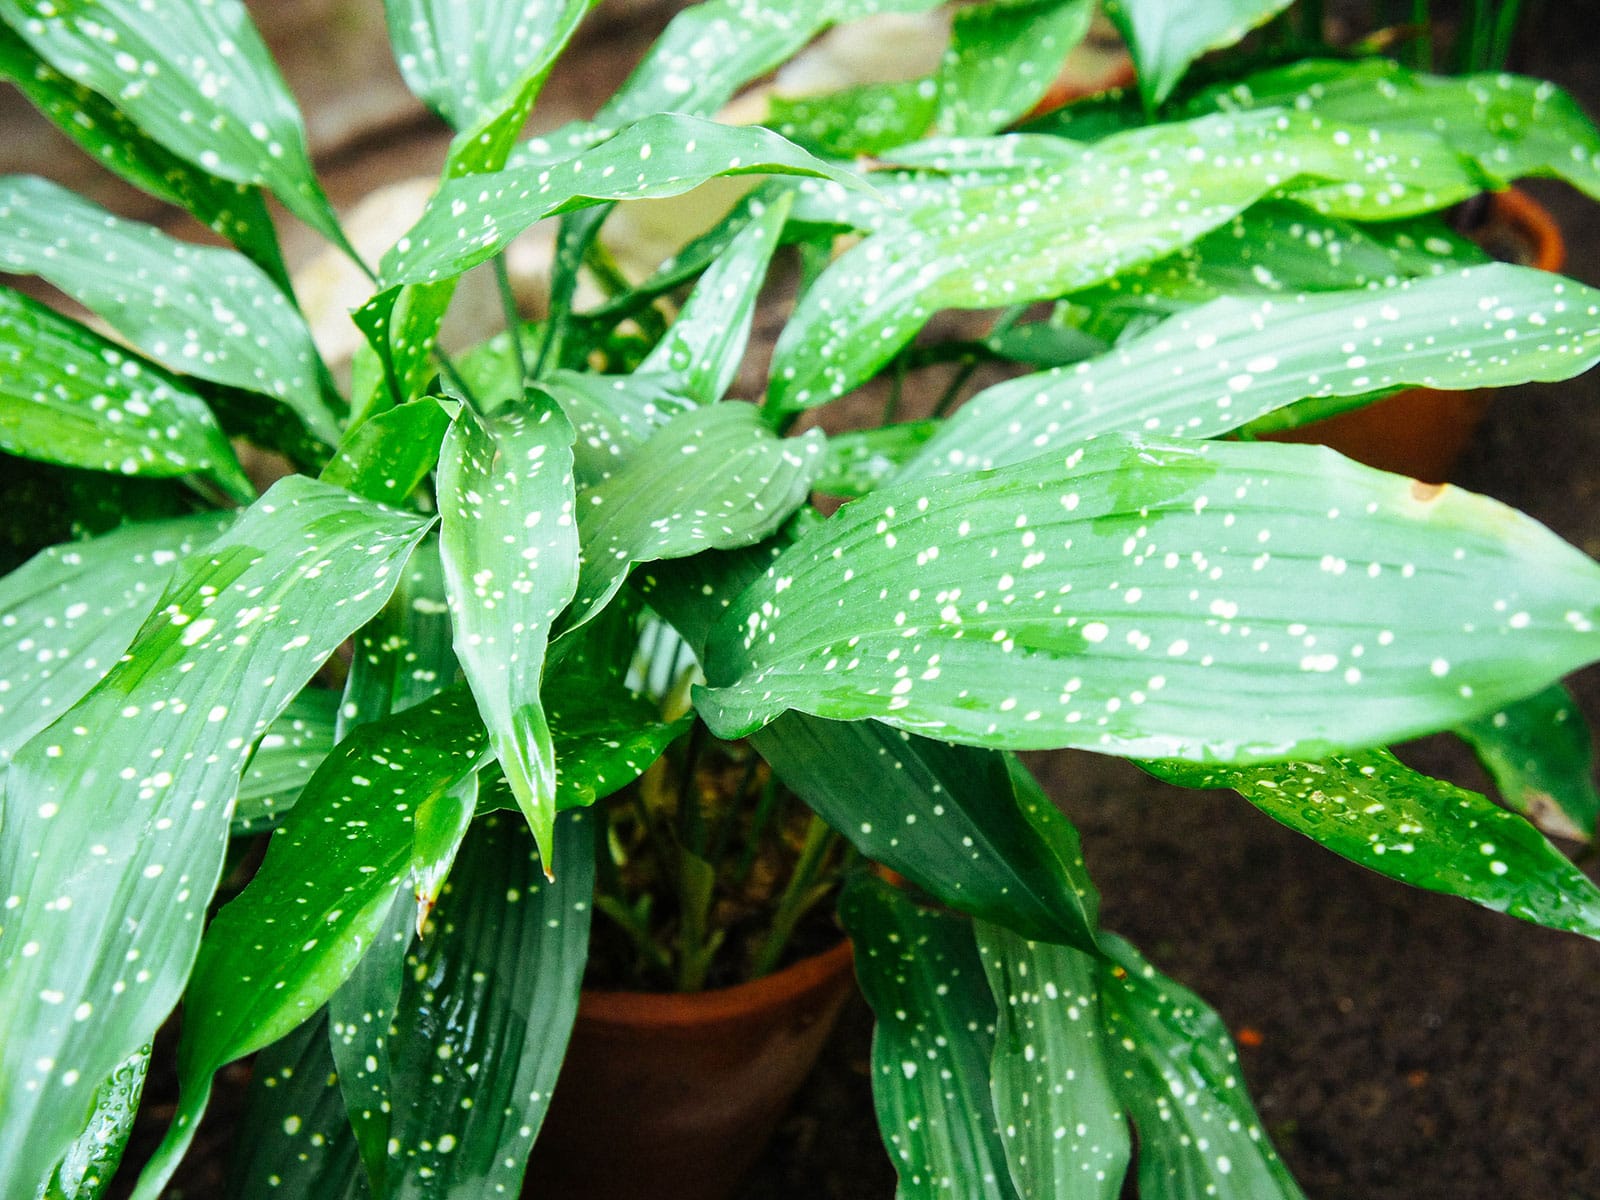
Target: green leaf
<point x="870" y="118"/>
<point x="116" y="817"/>
<point x="69" y="396"/>
<point x="1235" y="360"/>
<point x="186" y="306"/>
<point x="1178" y="1075"/>
<point x="612" y="416"/>
<point x="1375" y="811"/>
<point x="921" y="973"/>
<point x="236" y="212"/>
<point x="968" y="826"/>
<point x="860" y="460"/>
<point x="1540" y="753"/>
<point x="58" y="644"/>
<point x="1212" y="601"/>
<point x="89" y="1164"/>
<point x="1164" y="39"/>
<point x="472" y="219"/>
<point x="510" y="547"/>
<point x="706" y="343"/>
<point x="712" y="478"/>
<point x="1020" y="237"/>
<point x="285" y="759"/>
<point x="489" y="997"/>
<point x="387" y="456"/>
<point x="195" y="76"/>
<point x="605" y="737"/>
<point x="1061" y="1123"/>
<point x="1002" y="58"/>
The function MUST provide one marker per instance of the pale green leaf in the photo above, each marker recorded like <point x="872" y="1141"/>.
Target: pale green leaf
<point x="1210" y="601"/>
<point x="920" y="971"/>
<point x="870" y="118"/>
<point x="612" y="416"/>
<point x="1063" y="1128"/>
<point x="1373" y="810"/>
<point x="72" y="610"/>
<point x="1002" y="58"/>
<point x="1165" y="38"/>
<point x="1235" y="360"/>
<point x="1178" y="1074"/>
<point x="116" y="817"/>
<point x="387" y="456"/>
<point x="188" y="307"/>
<point x="194" y="76"/>
<point x="510" y="546"/>
<point x="69" y="396"/>
<point x="1541" y="754"/>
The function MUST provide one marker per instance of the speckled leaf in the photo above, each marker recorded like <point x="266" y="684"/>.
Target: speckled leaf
<point x="235" y="211"/>
<point x="71" y="610"/>
<point x="1178" y="1075"/>
<point x="1541" y="754"/>
<point x="1373" y="810"/>
<point x="867" y="119"/>
<point x="612" y="415"/>
<point x="272" y="957"/>
<point x="471" y="219"/>
<point x="117" y="816"/>
<point x="858" y="461"/>
<point x="387" y="456"/>
<point x="1206" y="600"/>
<point x="706" y="344"/>
<point x="920" y="971"/>
<point x="1023" y="238"/>
<point x="1234" y="360"/>
<point x="489" y="998"/>
<point x="1002" y="58"/>
<point x="189" y="307"/>
<point x="605" y="736"/>
<point x="1165" y="38"/>
<point x="1512" y="126"/>
<point x="712" y="478"/>
<point x="194" y="76"/>
<point x="69" y="396"/>
<point x="285" y="759"/>
<point x="1063" y="1128"/>
<point x="510" y="546"/>
<point x="300" y="1142"/>
<point x="968" y="826"/>
<point x="87" y="1167"/>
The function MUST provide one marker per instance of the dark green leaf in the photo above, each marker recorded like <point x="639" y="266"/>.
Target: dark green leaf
<point x="920" y="971"/>
<point x="1062" y="1126"/>
<point x="188" y="307"/>
<point x="87" y="1167"/>
<point x="1375" y="811"/>
<point x="510" y="546"/>
<point x="1234" y="360"/>
<point x="58" y="644"/>
<point x="1165" y="38"/>
<point x="194" y="76"/>
<point x="473" y="218"/>
<point x="69" y="396"/>
<point x="1210" y="601"/>
<point x="387" y="456"/>
<point x="860" y="460"/>
<point x="1178" y="1075"/>
<point x="1541" y="755"/>
<point x="285" y="759"/>
<point x="116" y="817"/>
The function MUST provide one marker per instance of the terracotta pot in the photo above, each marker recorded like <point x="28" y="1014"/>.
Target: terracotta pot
<point x="1421" y="432"/>
<point x="675" y="1096"/>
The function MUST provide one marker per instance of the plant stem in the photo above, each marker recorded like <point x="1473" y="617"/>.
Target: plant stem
<point x="508" y="302"/>
<point x="798" y="896"/>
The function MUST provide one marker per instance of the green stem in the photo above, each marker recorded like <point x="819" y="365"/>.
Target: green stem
<point x="508" y="302"/>
<point x="957" y="382"/>
<point x="758" y="825"/>
<point x="798" y="897"/>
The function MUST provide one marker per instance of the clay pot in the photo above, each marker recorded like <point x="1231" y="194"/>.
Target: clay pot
<point x="675" y="1096"/>
<point x="1421" y="432"/>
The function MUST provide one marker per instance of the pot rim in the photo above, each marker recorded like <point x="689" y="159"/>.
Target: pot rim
<point x="1517" y="208"/>
<point x="664" y="1010"/>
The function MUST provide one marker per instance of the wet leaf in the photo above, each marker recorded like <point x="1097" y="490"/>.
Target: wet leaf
<point x="116" y="816"/>
<point x="87" y="1167"/>
<point x="613" y="415"/>
<point x="858" y="461"/>
<point x="1235" y="360"/>
<point x="161" y="65"/>
<point x="1540" y="752"/>
<point x="69" y="396"/>
<point x="57" y="644"/>
<point x="1165" y="39"/>
<point x="1375" y="811"/>
<point x="285" y="759"/>
<point x="387" y="456"/>
<point x="510" y="547"/>
<point x="920" y="971"/>
<point x="1178" y="1074"/>
<point x="185" y="306"/>
<point x="1209" y="601"/>
<point x="1002" y="58"/>
<point x="1061" y="1122"/>
<point x="870" y="118"/>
